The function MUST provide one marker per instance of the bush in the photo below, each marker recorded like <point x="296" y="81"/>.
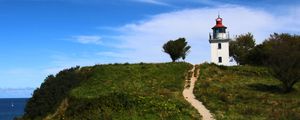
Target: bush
<point x="284" y="58"/>
<point x="48" y="97"/>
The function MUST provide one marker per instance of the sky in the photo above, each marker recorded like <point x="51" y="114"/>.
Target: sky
<point x="42" y="37"/>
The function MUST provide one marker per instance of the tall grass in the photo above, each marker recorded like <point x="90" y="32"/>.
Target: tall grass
<point x="131" y="92"/>
<point x="245" y="92"/>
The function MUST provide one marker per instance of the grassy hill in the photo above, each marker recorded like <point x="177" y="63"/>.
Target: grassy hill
<point x="154" y="91"/>
<point x="116" y="91"/>
<point x="245" y="92"/>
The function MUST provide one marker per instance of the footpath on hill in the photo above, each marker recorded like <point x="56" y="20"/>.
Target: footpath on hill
<point x="190" y="97"/>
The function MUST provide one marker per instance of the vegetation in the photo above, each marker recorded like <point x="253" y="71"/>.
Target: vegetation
<point x="177" y="49"/>
<point x="153" y="91"/>
<point x="284" y="58"/>
<point x="280" y="53"/>
<point x="117" y="91"/>
<point x="239" y="48"/>
<point x="245" y="92"/>
<point x="51" y="93"/>
<point x="257" y="56"/>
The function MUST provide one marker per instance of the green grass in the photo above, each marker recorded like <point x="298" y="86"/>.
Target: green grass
<point x="245" y="92"/>
<point x="131" y="92"/>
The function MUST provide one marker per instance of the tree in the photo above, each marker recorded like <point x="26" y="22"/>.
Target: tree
<point x="284" y="58"/>
<point x="53" y="90"/>
<point x="176" y="49"/>
<point x="239" y="48"/>
<point x="257" y="56"/>
<point x="186" y="50"/>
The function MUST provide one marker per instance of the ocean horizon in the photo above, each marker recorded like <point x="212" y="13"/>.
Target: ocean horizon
<point x="12" y="107"/>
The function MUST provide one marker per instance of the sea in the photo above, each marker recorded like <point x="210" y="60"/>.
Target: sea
<point x="12" y="107"/>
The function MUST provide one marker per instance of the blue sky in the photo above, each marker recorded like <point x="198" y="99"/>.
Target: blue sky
<point x="42" y="37"/>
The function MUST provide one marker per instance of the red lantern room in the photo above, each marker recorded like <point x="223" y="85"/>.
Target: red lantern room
<point x="219" y="30"/>
<point x="219" y="27"/>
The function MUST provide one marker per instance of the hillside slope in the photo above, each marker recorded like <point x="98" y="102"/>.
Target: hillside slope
<point x="118" y="91"/>
<point x="245" y="92"/>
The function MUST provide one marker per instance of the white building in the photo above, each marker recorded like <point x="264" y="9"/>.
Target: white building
<point x="219" y="43"/>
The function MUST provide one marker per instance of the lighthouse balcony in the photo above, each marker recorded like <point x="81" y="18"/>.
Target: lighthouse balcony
<point x="219" y="36"/>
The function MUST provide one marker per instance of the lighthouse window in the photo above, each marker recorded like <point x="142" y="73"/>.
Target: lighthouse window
<point x="222" y="30"/>
<point x="219" y="46"/>
<point x="220" y="59"/>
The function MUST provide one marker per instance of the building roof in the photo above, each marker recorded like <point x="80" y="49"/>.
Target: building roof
<point x="219" y="23"/>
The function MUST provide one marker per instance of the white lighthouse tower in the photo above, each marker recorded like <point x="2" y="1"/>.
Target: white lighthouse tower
<point x="219" y="43"/>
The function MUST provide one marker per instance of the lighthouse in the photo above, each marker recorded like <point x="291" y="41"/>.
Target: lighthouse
<point x="219" y="43"/>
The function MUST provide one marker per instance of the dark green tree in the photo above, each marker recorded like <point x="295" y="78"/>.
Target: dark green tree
<point x="284" y="58"/>
<point x="53" y="90"/>
<point x="257" y="56"/>
<point x="177" y="49"/>
<point x="239" y="48"/>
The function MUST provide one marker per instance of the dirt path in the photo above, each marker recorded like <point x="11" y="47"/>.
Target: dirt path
<point x="189" y="96"/>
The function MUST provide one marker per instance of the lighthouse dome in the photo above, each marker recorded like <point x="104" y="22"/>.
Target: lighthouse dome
<point x="219" y="23"/>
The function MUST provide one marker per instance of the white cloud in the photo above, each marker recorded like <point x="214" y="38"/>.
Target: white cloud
<point x="208" y="2"/>
<point x="146" y="37"/>
<point x="178" y="3"/>
<point x="87" y="39"/>
<point x="156" y="2"/>
<point x="142" y="41"/>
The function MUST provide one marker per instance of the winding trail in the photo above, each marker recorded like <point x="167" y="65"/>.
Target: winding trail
<point x="190" y="97"/>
